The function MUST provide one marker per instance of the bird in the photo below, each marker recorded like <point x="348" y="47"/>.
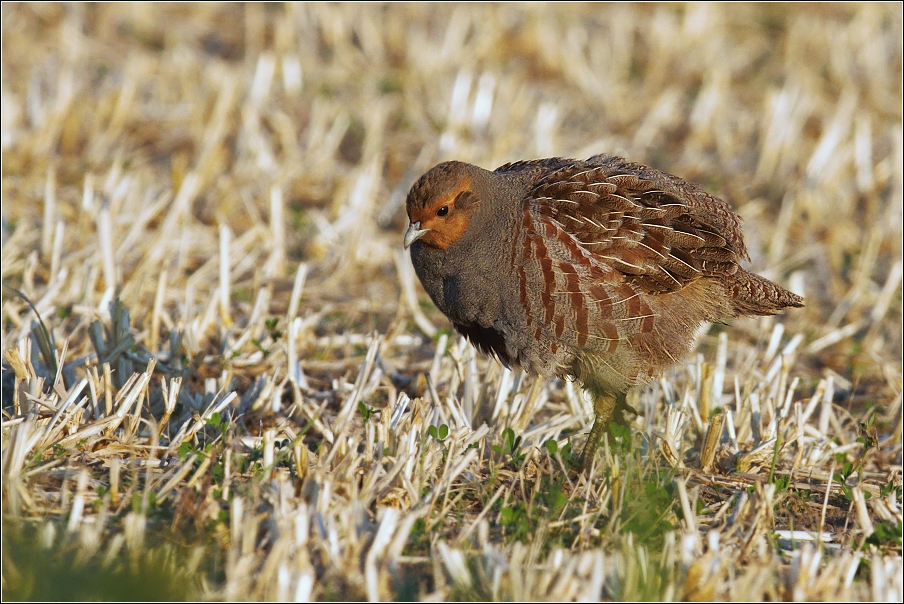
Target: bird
<point x="601" y="270"/>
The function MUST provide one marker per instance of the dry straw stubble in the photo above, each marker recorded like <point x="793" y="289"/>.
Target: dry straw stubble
<point x="253" y="420"/>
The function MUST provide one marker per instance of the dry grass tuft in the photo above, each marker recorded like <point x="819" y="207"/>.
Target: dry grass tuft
<point x="223" y="381"/>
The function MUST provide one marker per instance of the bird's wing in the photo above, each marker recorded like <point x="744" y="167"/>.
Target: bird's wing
<point x="657" y="230"/>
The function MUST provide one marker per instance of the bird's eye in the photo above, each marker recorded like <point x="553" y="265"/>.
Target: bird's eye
<point x="443" y="211"/>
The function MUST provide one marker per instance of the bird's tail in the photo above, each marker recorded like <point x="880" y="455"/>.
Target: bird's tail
<point x="755" y="295"/>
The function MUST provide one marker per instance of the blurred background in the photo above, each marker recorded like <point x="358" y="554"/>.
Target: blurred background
<point x="792" y="113"/>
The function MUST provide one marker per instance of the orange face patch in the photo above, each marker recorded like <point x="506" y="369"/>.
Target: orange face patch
<point x="444" y="230"/>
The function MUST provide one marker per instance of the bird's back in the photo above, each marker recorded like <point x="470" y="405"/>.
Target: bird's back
<point x="618" y="264"/>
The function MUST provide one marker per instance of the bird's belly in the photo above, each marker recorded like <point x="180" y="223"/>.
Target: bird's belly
<point x="508" y="341"/>
<point x="488" y="340"/>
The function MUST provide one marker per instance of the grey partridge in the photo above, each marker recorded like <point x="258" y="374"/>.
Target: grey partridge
<point x="599" y="270"/>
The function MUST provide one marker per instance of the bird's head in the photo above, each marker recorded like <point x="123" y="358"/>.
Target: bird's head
<point x="440" y="205"/>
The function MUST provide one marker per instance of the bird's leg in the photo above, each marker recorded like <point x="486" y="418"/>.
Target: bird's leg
<point x="606" y="408"/>
<point x="603" y="406"/>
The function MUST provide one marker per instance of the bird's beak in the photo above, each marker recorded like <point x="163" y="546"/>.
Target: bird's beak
<point x="414" y="233"/>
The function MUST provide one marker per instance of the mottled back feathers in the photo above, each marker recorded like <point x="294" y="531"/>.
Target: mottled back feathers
<point x="661" y="232"/>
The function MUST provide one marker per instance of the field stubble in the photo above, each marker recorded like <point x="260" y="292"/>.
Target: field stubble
<point x="224" y="381"/>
